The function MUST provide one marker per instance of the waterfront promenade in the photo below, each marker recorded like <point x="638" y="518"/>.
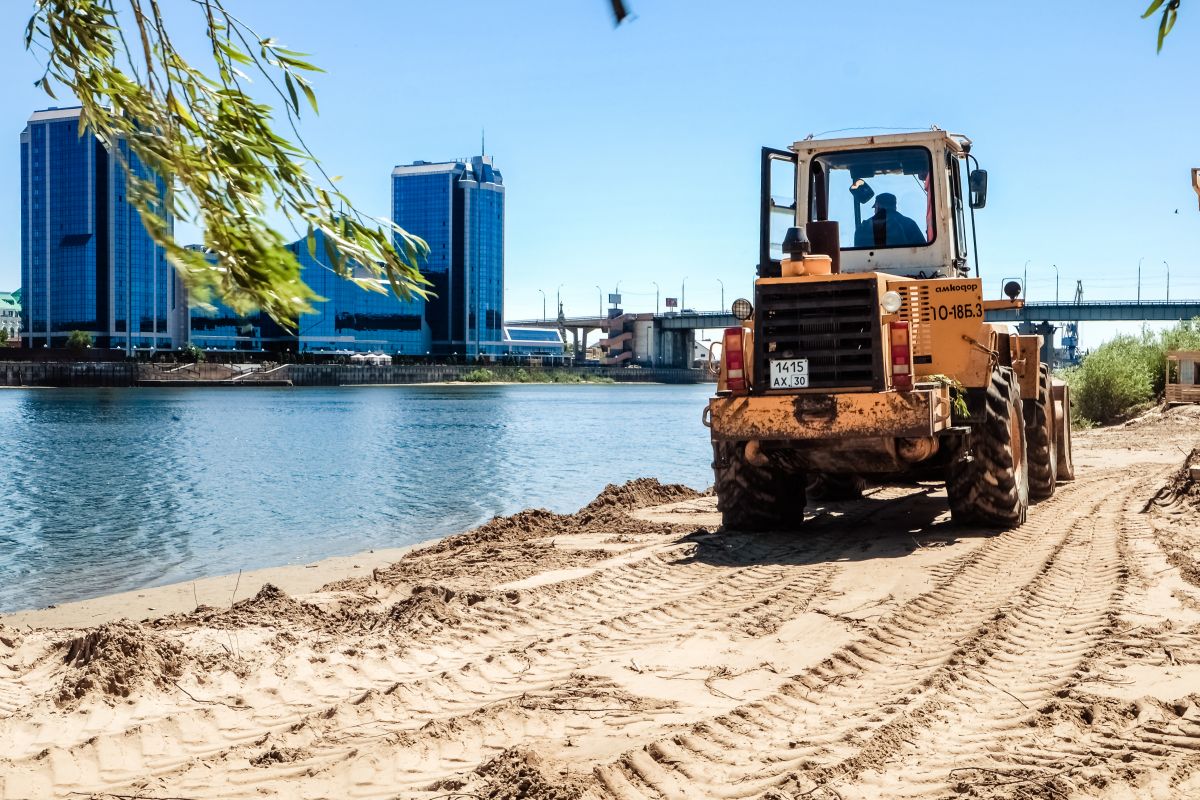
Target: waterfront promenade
<point x="128" y="373"/>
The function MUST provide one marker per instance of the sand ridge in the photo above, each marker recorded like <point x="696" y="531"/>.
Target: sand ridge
<point x="631" y="650"/>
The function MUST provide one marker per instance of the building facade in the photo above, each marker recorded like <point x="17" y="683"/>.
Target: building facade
<point x="350" y="319"/>
<point x="457" y="207"/>
<point x="353" y="317"/>
<point x="87" y="263"/>
<point x="10" y="317"/>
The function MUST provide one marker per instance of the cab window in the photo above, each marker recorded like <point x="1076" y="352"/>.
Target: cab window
<point x="880" y="198"/>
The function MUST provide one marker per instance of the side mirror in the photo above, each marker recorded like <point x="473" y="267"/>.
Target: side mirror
<point x="977" y="184"/>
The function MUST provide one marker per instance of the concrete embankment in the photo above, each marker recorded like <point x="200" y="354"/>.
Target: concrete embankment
<point x="85" y="374"/>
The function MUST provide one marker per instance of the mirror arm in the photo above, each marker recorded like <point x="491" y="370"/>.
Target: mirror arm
<point x="974" y="238"/>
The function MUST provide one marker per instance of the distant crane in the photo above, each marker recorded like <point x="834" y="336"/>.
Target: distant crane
<point x="1070" y="339"/>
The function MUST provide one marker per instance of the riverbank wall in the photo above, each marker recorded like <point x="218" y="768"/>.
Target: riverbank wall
<point x="116" y="374"/>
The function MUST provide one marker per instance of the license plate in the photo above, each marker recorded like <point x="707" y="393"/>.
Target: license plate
<point x="789" y="373"/>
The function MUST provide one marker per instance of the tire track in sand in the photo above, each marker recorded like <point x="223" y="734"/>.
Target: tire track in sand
<point x="508" y="653"/>
<point x="842" y="709"/>
<point x="999" y="684"/>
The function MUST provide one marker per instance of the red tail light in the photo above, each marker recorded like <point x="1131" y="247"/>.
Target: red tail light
<point x="735" y="361"/>
<point x="901" y="357"/>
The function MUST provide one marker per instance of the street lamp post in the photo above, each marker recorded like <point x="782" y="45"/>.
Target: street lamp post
<point x="1055" y="266"/>
<point x="558" y="297"/>
<point x="722" y="293"/>
<point x="655" y="298"/>
<point x="1025" y="280"/>
<point x="543" y="294"/>
<point x="683" y="295"/>
<point x="1140" y="260"/>
<point x="600" y="298"/>
<point x="1168" y="266"/>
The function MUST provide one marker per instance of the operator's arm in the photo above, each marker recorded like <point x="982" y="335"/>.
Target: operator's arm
<point x="863" y="236"/>
<point x="913" y="236"/>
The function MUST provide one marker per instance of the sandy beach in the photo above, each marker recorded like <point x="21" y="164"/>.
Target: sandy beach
<point x="631" y="650"/>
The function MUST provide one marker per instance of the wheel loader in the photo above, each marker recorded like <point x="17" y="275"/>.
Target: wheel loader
<point x="865" y="353"/>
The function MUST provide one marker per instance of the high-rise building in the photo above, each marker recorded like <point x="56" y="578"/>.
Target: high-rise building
<point x="87" y="262"/>
<point x="457" y="207"/>
<point x="353" y="317"/>
<point x="216" y="326"/>
<point x="349" y="318"/>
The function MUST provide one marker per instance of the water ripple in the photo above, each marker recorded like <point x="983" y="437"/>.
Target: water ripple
<point x="111" y="490"/>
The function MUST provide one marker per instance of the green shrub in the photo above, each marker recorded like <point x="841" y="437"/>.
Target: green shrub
<point x="481" y="375"/>
<point x="1125" y="372"/>
<point x="79" y="340"/>
<point x="1112" y="380"/>
<point x="194" y="352"/>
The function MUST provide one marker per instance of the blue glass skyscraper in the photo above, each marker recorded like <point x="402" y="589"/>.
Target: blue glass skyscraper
<point x="353" y="317"/>
<point x="457" y="207"/>
<point x="86" y="261"/>
<point x="350" y="318"/>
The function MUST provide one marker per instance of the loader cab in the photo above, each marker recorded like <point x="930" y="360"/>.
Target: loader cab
<point x="889" y="203"/>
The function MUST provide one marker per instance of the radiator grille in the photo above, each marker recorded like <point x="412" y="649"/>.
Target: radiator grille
<point x="916" y="308"/>
<point x="834" y="324"/>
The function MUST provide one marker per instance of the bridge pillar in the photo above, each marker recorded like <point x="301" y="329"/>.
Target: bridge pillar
<point x="576" y="350"/>
<point x="677" y="348"/>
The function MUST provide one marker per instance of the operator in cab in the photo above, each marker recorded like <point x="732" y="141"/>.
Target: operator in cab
<point x="888" y="227"/>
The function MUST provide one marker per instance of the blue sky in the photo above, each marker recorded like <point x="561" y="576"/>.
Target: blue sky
<point x="631" y="154"/>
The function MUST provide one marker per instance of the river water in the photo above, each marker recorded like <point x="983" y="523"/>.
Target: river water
<point x="107" y="490"/>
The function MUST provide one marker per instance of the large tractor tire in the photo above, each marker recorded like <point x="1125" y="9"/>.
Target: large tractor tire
<point x="1041" y="435"/>
<point x="1062" y="417"/>
<point x="834" y="488"/>
<point x="988" y="478"/>
<point x="751" y="497"/>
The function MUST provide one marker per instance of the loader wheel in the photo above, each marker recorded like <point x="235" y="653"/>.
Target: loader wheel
<point x="1042" y="437"/>
<point x="988" y="478"/>
<point x="756" y="498"/>
<point x="1066" y="459"/>
<point x="823" y="486"/>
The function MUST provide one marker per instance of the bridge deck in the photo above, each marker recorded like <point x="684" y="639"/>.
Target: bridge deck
<point x="1098" y="311"/>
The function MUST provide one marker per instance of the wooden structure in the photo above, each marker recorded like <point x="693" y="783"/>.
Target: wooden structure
<point x="1183" y="376"/>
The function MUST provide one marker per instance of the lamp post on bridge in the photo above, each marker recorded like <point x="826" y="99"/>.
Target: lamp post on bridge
<point x="683" y="295"/>
<point x="543" y="294"/>
<point x="722" y="293"/>
<point x="600" y="298"/>
<point x="1168" y="266"/>
<point x="1140" y="260"/>
<point x="1055" y="266"/>
<point x="655" y="298"/>
<point x="1025" y="280"/>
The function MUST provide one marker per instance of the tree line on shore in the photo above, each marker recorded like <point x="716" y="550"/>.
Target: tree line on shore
<point x="1126" y="374"/>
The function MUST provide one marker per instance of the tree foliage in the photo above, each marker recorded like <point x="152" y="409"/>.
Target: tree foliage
<point x="1127" y="371"/>
<point x="79" y="340"/>
<point x="225" y="164"/>
<point x="1168" y="11"/>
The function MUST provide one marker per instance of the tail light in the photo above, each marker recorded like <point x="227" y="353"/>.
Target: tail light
<point x="901" y="357"/>
<point x="735" y="361"/>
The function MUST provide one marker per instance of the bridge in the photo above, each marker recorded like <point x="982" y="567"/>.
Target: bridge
<point x="668" y="339"/>
<point x="1101" y="311"/>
